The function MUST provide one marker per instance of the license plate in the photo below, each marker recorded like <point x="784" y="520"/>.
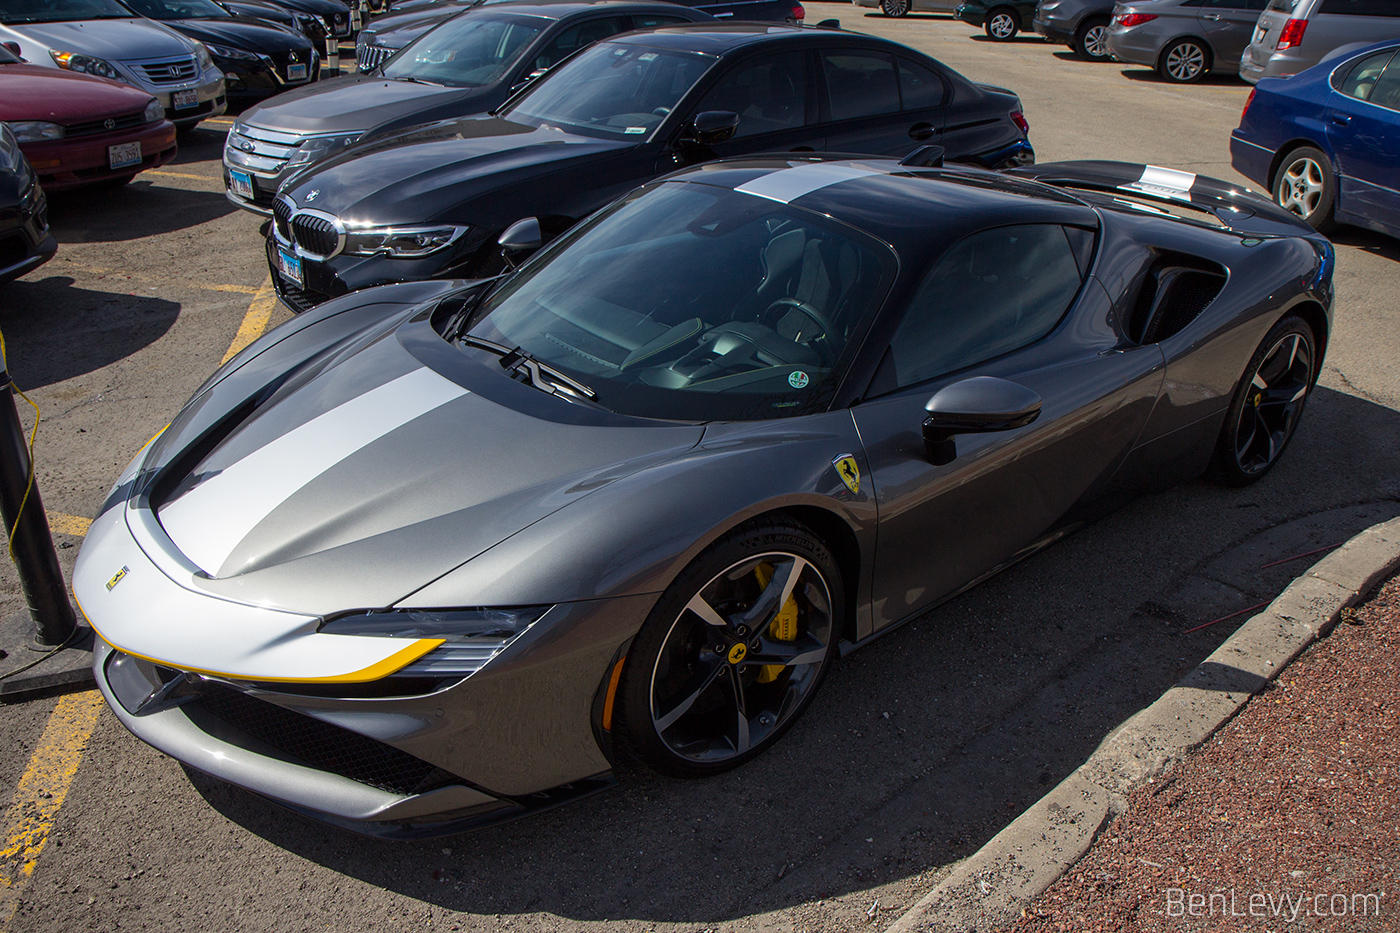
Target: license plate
<point x="296" y="72"/>
<point x="290" y="267"/>
<point x="184" y="100"/>
<point x="241" y="184"/>
<point x="123" y="155"/>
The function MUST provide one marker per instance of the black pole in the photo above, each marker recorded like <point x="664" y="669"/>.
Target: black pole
<point x="31" y="542"/>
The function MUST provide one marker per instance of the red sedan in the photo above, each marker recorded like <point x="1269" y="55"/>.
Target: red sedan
<point x="79" y="130"/>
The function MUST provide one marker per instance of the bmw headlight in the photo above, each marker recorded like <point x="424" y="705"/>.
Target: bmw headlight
<point x="154" y="111"/>
<point x="471" y="637"/>
<point x="318" y="147"/>
<point x="85" y="64"/>
<point x="33" y="131"/>
<point x="10" y="158"/>
<point x="400" y="242"/>
<point x="232" y="54"/>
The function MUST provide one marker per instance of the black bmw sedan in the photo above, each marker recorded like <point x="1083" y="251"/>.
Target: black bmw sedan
<point x="429" y="202"/>
<point x="258" y="58"/>
<point x="467" y="65"/>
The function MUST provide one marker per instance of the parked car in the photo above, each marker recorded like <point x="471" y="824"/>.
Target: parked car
<point x="1293" y="35"/>
<point x="1183" y="39"/>
<point x="904" y="7"/>
<point x="454" y="548"/>
<point x="429" y="201"/>
<point x="308" y="24"/>
<point x="79" y="130"/>
<point x="1080" y="24"/>
<point x="779" y="11"/>
<point x="105" y="39"/>
<point x="1002" y="19"/>
<point x="467" y="65"/>
<point x="25" y="240"/>
<point x="258" y="58"/>
<point x="334" y="14"/>
<point x="1324" y="142"/>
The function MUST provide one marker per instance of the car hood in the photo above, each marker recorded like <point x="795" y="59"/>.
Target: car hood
<point x="398" y="31"/>
<point x="362" y="474"/>
<point x="33" y="92"/>
<point x="242" y="32"/>
<point x="432" y="173"/>
<point x="352" y="103"/>
<point x="112" y="39"/>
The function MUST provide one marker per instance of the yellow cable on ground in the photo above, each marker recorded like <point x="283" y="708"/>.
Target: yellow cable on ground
<point x="33" y="434"/>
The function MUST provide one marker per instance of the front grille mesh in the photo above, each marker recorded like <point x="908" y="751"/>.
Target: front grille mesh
<point x="169" y="71"/>
<point x="316" y="235"/>
<point x="281" y="216"/>
<point x="371" y="57"/>
<point x="322" y="745"/>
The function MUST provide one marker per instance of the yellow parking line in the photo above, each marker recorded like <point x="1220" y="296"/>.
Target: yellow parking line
<point x="241" y="289"/>
<point x="74" y="525"/>
<point x="41" y="792"/>
<point x="220" y="120"/>
<point x="152" y="171"/>
<point x="207" y="286"/>
<point x="255" y="321"/>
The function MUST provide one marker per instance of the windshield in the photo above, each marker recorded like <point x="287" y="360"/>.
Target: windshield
<point x="467" y="51"/>
<point x="60" y="11"/>
<point x="696" y="303"/>
<point x="177" y="9"/>
<point x="612" y="90"/>
<point x="1283" y="6"/>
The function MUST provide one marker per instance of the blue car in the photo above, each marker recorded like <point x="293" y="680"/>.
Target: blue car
<point x="1326" y="141"/>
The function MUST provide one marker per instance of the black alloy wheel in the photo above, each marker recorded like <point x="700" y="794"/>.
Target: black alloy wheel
<point x="1091" y="41"/>
<point x="1306" y="186"/>
<point x="1002" y="24"/>
<point x="1268" y="403"/>
<point x="733" y="652"/>
<point x="894" y="7"/>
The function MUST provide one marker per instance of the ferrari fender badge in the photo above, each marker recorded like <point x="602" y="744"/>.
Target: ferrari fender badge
<point x="118" y="577"/>
<point x="848" y="471"/>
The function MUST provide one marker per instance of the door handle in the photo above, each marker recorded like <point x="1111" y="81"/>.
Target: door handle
<point x="1214" y="16"/>
<point x="921" y="131"/>
<point x="1339" y="119"/>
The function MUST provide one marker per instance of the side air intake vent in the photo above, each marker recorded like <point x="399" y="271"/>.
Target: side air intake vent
<point x="1174" y="292"/>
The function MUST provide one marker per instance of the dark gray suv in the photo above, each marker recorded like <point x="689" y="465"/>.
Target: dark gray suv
<point x="1080" y="24"/>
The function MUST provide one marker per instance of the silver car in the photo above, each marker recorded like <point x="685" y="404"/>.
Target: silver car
<point x="900" y="7"/>
<point x="1293" y="35"/>
<point x="104" y="38"/>
<point x="1183" y="39"/>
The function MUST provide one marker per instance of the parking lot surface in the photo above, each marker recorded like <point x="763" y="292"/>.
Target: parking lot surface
<point x="918" y="749"/>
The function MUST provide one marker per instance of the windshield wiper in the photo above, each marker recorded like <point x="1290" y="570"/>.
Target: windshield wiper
<point x="538" y="374"/>
<point x="414" y="80"/>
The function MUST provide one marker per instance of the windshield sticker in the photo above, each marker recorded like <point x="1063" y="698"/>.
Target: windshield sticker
<point x="647" y="57"/>
<point x="632" y="130"/>
<point x="797" y="379"/>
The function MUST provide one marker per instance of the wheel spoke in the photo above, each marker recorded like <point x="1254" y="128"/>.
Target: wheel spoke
<point x="805" y="650"/>
<point x="741" y="742"/>
<point x="669" y="720"/>
<point x="774" y="596"/>
<point x="1242" y="445"/>
<point x="705" y="611"/>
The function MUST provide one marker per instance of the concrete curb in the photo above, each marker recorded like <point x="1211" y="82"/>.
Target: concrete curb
<point x="991" y="887"/>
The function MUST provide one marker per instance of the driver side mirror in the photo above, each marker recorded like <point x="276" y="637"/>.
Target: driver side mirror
<point x="712" y="126"/>
<point x="12" y="47"/>
<point x="523" y="236"/>
<point x="978" y="405"/>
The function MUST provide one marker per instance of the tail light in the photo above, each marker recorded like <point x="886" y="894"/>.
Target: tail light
<point x="1292" y="35"/>
<point x="797" y="14"/>
<point x="1247" y="101"/>
<point x="1019" y="118"/>
<point x="1134" y="19"/>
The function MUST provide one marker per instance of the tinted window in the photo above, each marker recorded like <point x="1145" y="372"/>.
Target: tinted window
<point x="1386" y="93"/>
<point x="1284" y="6"/>
<point x="919" y="87"/>
<point x="652" y="20"/>
<point x="574" y="38"/>
<point x="697" y="303"/>
<point x="768" y="94"/>
<point x="1362" y="78"/>
<point x="860" y="84"/>
<point x="59" y="11"/>
<point x="1226" y="4"/>
<point x="1361" y="8"/>
<point x="468" y="51"/>
<point x="177" y="9"/>
<point x="992" y="292"/>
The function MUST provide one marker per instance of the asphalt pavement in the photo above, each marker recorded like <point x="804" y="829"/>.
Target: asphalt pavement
<point x="919" y="748"/>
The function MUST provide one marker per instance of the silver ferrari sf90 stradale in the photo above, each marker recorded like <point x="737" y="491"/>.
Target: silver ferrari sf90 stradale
<point x="433" y="554"/>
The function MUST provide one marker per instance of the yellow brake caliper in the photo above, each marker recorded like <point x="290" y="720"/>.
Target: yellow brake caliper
<point x="783" y="627"/>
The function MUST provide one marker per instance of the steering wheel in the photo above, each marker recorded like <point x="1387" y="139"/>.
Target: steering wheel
<point x="817" y="341"/>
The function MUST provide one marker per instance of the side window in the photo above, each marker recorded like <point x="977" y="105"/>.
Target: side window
<point x="1358" y="8"/>
<point x="1386" y="93"/>
<point x="574" y="38"/>
<point x="768" y="94"/>
<point x="1362" y="78"/>
<point x="653" y="20"/>
<point x="992" y="292"/>
<point x="860" y="83"/>
<point x="1226" y="4"/>
<point x="919" y="88"/>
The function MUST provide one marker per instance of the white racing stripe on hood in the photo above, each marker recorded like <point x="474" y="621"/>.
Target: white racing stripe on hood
<point x="788" y="184"/>
<point x="1164" y="182"/>
<point x="209" y="521"/>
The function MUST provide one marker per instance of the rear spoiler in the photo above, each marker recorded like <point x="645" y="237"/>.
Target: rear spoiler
<point x="1232" y="206"/>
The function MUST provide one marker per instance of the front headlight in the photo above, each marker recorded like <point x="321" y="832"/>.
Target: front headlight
<point x="201" y="55"/>
<point x="400" y="242"/>
<point x="10" y="158"/>
<point x="85" y="64"/>
<point x="471" y="636"/>
<point x="318" y="147"/>
<point x="154" y="111"/>
<point x="237" y="55"/>
<point x="33" y="131"/>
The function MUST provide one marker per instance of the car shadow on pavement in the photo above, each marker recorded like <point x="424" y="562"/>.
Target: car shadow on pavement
<point x="203" y="144"/>
<point x="138" y="211"/>
<point x="876" y="14"/>
<point x="923" y="745"/>
<point x="1022" y="39"/>
<point x="1143" y="73"/>
<point x="55" y="331"/>
<point x="1369" y="241"/>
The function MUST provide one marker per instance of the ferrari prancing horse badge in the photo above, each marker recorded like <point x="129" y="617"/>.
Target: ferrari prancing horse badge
<point x="848" y="471"/>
